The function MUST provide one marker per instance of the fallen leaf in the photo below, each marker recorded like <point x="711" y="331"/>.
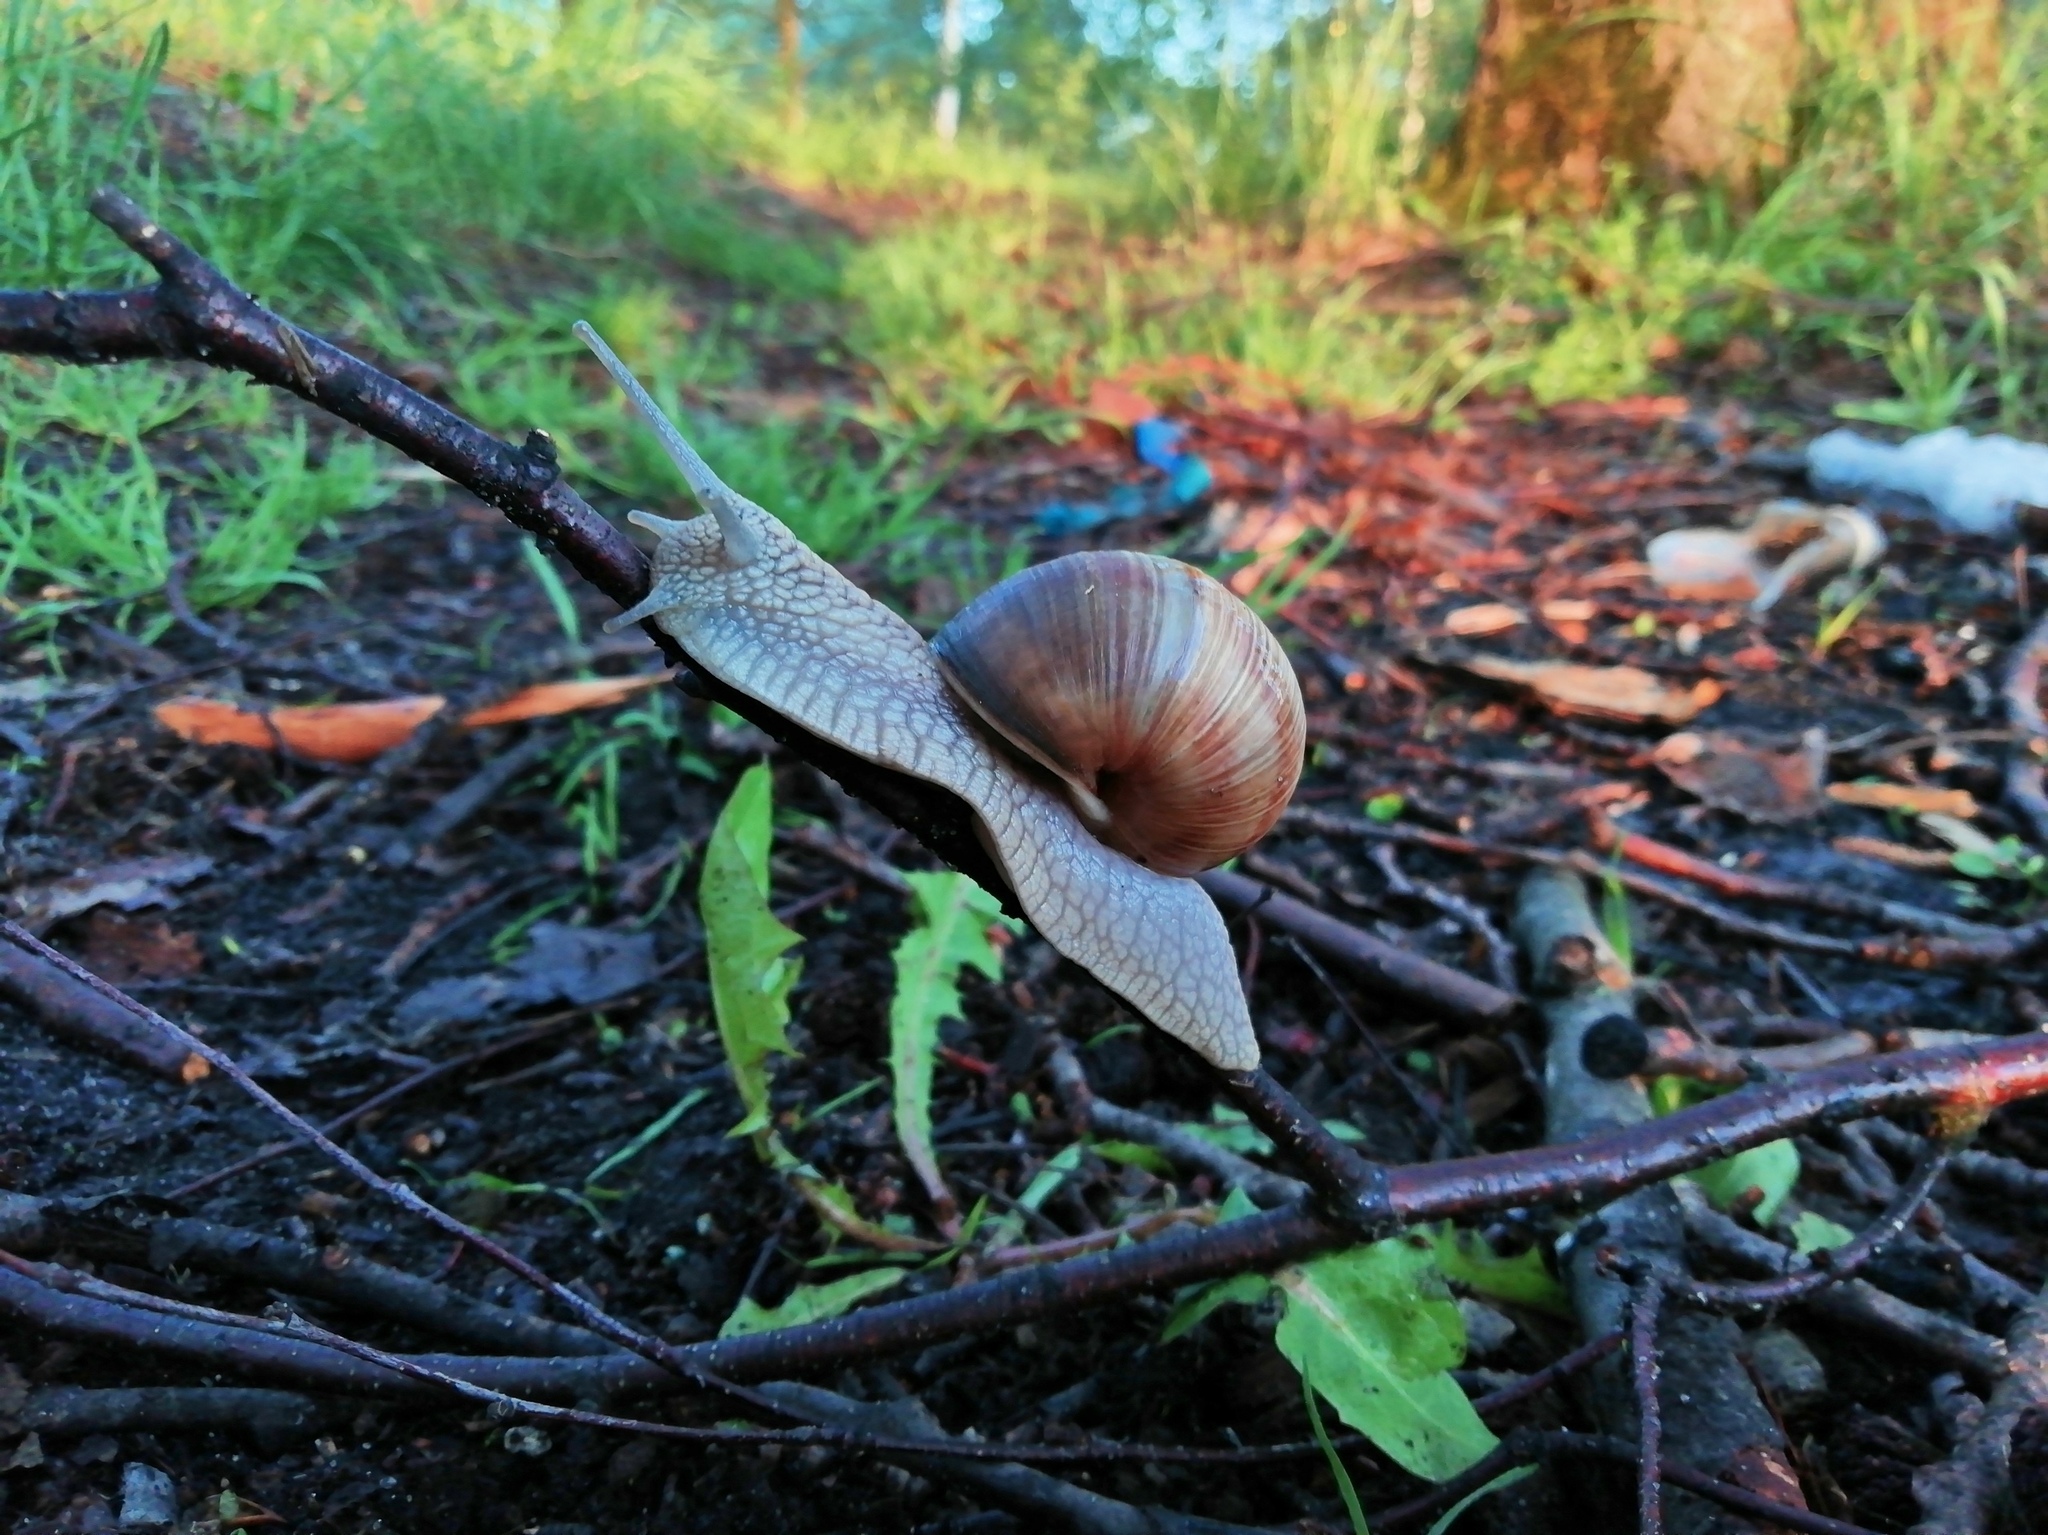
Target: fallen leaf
<point x="360" y="731"/>
<point x="1570" y="610"/>
<point x="1755" y="781"/>
<point x="1120" y="407"/>
<point x="1620" y="573"/>
<point x="578" y="965"/>
<point x="1898" y="854"/>
<point x="1608" y="692"/>
<point x="122" y="949"/>
<point x="1483" y="618"/>
<point x="1633" y="410"/>
<point x="1756" y="658"/>
<point x="1920" y="799"/>
<point x="130" y="884"/>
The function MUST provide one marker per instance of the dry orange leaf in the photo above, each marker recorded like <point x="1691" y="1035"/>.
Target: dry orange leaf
<point x="1570" y="610"/>
<point x="1611" y="692"/>
<point x="1121" y="407"/>
<point x="1918" y="798"/>
<point x="361" y="731"/>
<point x="1928" y="859"/>
<point x="1483" y="618"/>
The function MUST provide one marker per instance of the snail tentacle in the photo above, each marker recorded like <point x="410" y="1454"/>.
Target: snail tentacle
<point x="742" y="542"/>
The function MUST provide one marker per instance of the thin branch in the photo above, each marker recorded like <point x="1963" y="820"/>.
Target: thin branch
<point x="1830" y="1266"/>
<point x="1642" y="1342"/>
<point x="194" y="313"/>
<point x="2021" y="690"/>
<point x="1529" y="1446"/>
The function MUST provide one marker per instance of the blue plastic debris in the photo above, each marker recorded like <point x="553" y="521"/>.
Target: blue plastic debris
<point x="1157" y="442"/>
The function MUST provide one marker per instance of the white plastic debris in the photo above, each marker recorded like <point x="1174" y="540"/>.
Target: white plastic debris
<point x="1728" y="565"/>
<point x="1972" y="483"/>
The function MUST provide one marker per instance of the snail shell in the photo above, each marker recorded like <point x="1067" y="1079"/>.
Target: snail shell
<point x="1159" y="699"/>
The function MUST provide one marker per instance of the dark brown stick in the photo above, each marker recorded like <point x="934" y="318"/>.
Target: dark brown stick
<point x="1537" y="1381"/>
<point x="1742" y="885"/>
<point x="1854" y="1303"/>
<point x="1617" y="1048"/>
<point x="77" y="1013"/>
<point x="1708" y="1409"/>
<point x="333" y="1274"/>
<point x="1909" y="950"/>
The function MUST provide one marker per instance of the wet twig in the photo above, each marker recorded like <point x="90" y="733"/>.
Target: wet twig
<point x="1646" y="1299"/>
<point x="2024" y="756"/>
<point x="195" y="313"/>
<point x="1853" y="1303"/>
<point x="332" y="1274"/>
<point x="1834" y="900"/>
<point x="78" y="1014"/>
<point x="1964" y="1494"/>
<point x="1381" y="964"/>
<point x="1182" y="1145"/>
<point x="1708" y="1409"/>
<point x="1830" y="1265"/>
<point x="1599" y="1167"/>
<point x="1619" y="1048"/>
<point x="426" y="1076"/>
<point x="1500" y="954"/>
<point x="1910" y="948"/>
<point x="1526" y="1447"/>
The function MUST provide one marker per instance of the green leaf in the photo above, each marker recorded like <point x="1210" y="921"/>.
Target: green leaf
<point x="1385" y="807"/>
<point x="1237" y="1204"/>
<point x="1811" y="1232"/>
<point x="1464" y="1257"/>
<point x="1375" y="1331"/>
<point x="1008" y="1227"/>
<point x="1507" y="1478"/>
<point x="750" y="979"/>
<point x="1132" y="1154"/>
<point x="1194" y="1307"/>
<point x="809" y="1303"/>
<point x="1973" y="864"/>
<point x="1352" y="1508"/>
<point x="649" y="1136"/>
<point x="1772" y="1167"/>
<point x="954" y="915"/>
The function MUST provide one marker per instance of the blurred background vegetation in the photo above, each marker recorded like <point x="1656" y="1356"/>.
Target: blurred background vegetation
<point x="1385" y="205"/>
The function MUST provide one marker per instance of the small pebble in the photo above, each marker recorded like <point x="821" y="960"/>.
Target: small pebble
<point x="149" y="1498"/>
<point x="1487" y="1331"/>
<point x="1788" y="1370"/>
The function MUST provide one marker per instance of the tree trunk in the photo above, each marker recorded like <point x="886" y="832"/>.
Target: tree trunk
<point x="946" y="112"/>
<point x="1684" y="92"/>
<point x="789" y="46"/>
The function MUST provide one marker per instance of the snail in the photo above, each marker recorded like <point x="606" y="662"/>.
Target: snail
<point x="756" y="608"/>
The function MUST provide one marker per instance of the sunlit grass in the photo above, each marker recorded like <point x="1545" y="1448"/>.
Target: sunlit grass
<point x="460" y="190"/>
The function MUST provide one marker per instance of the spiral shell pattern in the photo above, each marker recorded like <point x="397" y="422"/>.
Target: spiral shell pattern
<point x="1160" y="700"/>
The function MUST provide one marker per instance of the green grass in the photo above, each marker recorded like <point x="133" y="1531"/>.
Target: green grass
<point x="460" y="190"/>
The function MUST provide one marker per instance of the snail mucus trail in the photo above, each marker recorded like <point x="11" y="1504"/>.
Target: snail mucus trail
<point x="761" y="612"/>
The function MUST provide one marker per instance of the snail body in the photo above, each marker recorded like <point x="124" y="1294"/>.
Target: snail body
<point x="1157" y="697"/>
<point x="761" y="612"/>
